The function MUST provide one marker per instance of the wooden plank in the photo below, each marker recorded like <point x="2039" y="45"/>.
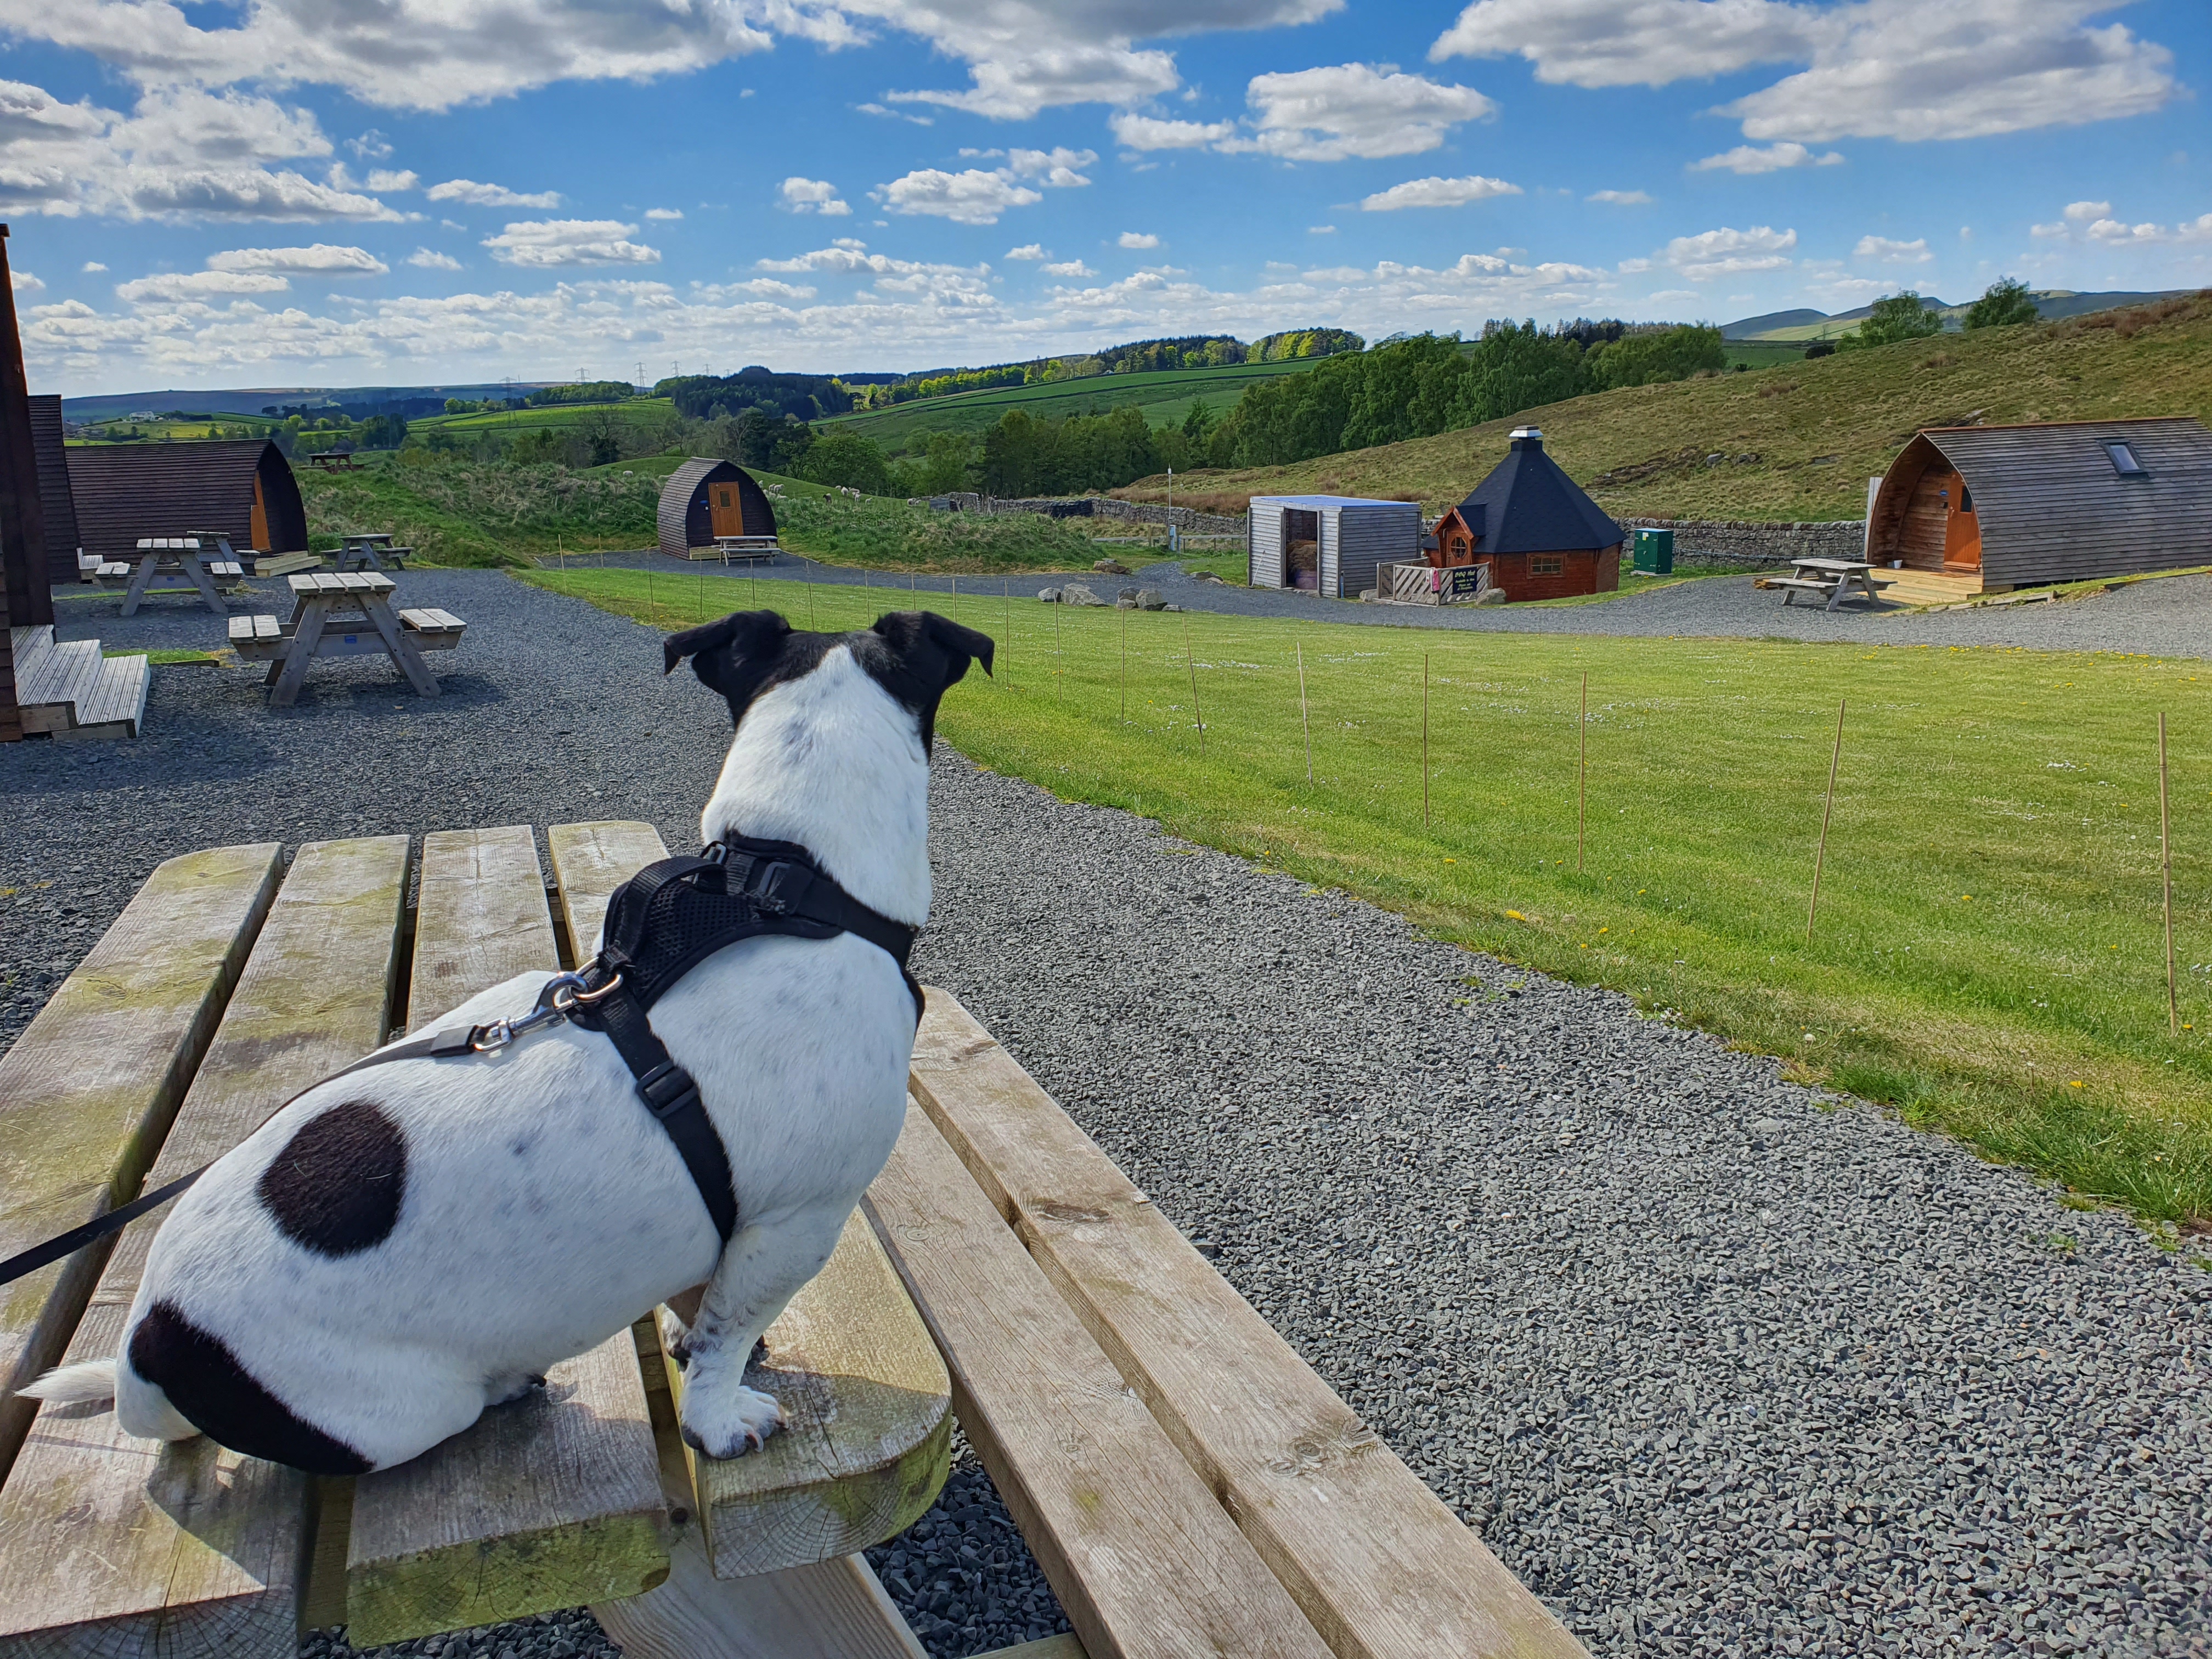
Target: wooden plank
<point x="827" y="1610"/>
<point x="121" y="1547"/>
<point x="1378" y="1563"/>
<point x="590" y="861"/>
<point x="867" y="1435"/>
<point x="481" y="918"/>
<point x="553" y="1501"/>
<point x="1144" y="1561"/>
<point x="1052" y="1647"/>
<point x="89" y="1091"/>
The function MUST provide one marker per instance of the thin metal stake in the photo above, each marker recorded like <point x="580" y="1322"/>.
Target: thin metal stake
<point x="1191" y="662"/>
<point x="1822" y="857"/>
<point x="809" y="597"/>
<point x="1582" y="774"/>
<point x="2166" y="865"/>
<point x="1304" y="720"/>
<point x="1125" y="668"/>
<point x="1059" y="661"/>
<point x="1006" y="645"/>
<point x="1424" y="739"/>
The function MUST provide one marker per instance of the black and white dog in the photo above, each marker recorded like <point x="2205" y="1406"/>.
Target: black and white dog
<point x="398" y="1249"/>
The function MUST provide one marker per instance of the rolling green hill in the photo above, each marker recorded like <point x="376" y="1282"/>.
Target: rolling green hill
<point x="1164" y="396"/>
<point x="1794" y="441"/>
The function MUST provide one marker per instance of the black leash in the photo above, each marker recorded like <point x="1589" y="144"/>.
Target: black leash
<point x="660" y="924"/>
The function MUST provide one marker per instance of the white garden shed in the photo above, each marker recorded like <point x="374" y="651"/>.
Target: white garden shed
<point x="1328" y="545"/>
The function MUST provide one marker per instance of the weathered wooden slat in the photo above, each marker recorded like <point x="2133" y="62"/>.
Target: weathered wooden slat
<point x="122" y="1548"/>
<point x="1052" y="1647"/>
<point x="1378" y="1563"/>
<point x="90" y="1089"/>
<point x="1144" y="1561"/>
<point x="867" y="1440"/>
<point x="480" y="918"/>
<point x="590" y="861"/>
<point x="553" y="1501"/>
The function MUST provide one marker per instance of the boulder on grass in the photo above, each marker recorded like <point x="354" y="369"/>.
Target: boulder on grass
<point x="1111" y="567"/>
<point x="1151" y="599"/>
<point x="1078" y="593"/>
<point x="1048" y="595"/>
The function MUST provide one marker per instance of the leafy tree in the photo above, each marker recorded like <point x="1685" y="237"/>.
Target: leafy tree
<point x="847" y="459"/>
<point x="2003" y="303"/>
<point x="1673" y="354"/>
<point x="1902" y="316"/>
<point x="382" y="432"/>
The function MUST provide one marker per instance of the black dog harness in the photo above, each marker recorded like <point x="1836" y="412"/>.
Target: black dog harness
<point x="661" y="923"/>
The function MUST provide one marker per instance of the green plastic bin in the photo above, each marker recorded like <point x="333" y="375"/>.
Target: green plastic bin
<point x="1654" y="552"/>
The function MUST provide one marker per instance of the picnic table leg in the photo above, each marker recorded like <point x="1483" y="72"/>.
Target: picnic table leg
<point x="192" y="567"/>
<point x="833" y="1609"/>
<point x="1836" y="594"/>
<point x="305" y="638"/>
<point x="401" y="647"/>
<point x="140" y="577"/>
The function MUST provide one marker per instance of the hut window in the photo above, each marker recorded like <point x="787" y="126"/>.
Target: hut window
<point x="2125" y="462"/>
<point x="1548" y="564"/>
<point x="1965" y="499"/>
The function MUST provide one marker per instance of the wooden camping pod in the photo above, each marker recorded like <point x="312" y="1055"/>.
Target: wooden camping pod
<point x="705" y="498"/>
<point x="2049" y="502"/>
<point x="243" y="488"/>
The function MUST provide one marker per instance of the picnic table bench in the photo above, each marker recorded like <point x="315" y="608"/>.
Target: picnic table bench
<point x="1188" y="1485"/>
<point x="370" y="550"/>
<point x="346" y="615"/>
<point x="186" y="557"/>
<point x="1832" y="579"/>
<point x="747" y="550"/>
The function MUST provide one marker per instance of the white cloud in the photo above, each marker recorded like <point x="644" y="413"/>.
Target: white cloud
<point x="1671" y="296"/>
<point x="21" y="281"/>
<point x="1070" y="268"/>
<point x="1354" y="109"/>
<point x="180" y="154"/>
<point x="1056" y="168"/>
<point x="1145" y="132"/>
<point x="427" y="258"/>
<point x="371" y="146"/>
<point x="800" y="195"/>
<point x="384" y="179"/>
<point x="2111" y="232"/>
<point x="1620" y="198"/>
<point x="1914" y="252"/>
<point x="2082" y="212"/>
<point x="1321" y="230"/>
<point x="1138" y="239"/>
<point x="1726" y="252"/>
<point x="199" y="285"/>
<point x="1437" y="193"/>
<point x="897" y="114"/>
<point x="490" y="196"/>
<point x="322" y="259"/>
<point x="1029" y="250"/>
<point x="969" y="197"/>
<point x="1771" y="158"/>
<point x="1891" y="68"/>
<point x="663" y="213"/>
<point x="91" y="265"/>
<point x="549" y="244"/>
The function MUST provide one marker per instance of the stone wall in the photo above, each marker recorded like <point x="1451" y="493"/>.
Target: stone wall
<point x="1099" y="506"/>
<point x="1754" y="541"/>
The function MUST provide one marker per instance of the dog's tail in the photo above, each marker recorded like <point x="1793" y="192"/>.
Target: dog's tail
<point x="94" y="1382"/>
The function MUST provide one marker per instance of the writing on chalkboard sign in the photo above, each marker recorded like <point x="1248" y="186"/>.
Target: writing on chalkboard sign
<point x="1466" y="579"/>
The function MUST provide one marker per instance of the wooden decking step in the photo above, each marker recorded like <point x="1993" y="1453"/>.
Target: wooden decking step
<point x="116" y="705"/>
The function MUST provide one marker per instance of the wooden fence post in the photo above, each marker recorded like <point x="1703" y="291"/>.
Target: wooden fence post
<point x="1582" y="774"/>
<point x="1304" y="721"/>
<point x="1827" y="812"/>
<point x="1191" y="661"/>
<point x="1424" y="739"/>
<point x="2166" y="869"/>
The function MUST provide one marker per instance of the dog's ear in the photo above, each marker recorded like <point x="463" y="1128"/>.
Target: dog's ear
<point x="935" y="650"/>
<point x="720" y="650"/>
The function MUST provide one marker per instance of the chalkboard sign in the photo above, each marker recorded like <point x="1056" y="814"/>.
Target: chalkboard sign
<point x="1465" y="580"/>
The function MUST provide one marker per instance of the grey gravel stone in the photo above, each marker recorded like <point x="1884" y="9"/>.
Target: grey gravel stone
<point x="1716" y="1364"/>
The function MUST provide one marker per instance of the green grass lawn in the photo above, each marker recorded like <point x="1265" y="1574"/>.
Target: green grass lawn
<point x="1988" y="957"/>
<point x="1166" y="395"/>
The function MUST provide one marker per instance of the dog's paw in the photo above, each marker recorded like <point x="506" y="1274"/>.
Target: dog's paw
<point x="732" y="1423"/>
<point x="676" y="1337"/>
<point x="505" y="1390"/>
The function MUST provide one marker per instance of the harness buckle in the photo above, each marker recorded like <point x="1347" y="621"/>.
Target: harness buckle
<point x="776" y="888"/>
<point x="666" y="1089"/>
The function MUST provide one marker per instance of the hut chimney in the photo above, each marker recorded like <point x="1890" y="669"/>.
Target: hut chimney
<point x="1526" y="437"/>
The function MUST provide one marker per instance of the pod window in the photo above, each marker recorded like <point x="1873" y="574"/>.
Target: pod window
<point x="2125" y="462"/>
<point x="1547" y="564"/>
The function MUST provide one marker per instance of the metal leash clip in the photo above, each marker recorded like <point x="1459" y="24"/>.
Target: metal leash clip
<point x="551" y="1009"/>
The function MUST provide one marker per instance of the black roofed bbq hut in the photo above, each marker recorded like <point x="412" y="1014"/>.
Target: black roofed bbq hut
<point x="239" y="487"/>
<point x="1541" y="536"/>
<point x="706" y="504"/>
<point x="1974" y="509"/>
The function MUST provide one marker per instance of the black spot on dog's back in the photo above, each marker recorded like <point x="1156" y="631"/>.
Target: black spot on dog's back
<point x="224" y="1401"/>
<point x="337" y="1186"/>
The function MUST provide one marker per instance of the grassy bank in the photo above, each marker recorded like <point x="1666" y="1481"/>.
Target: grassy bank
<point x="1798" y="441"/>
<point x="891" y="536"/>
<point x="1988" y="957"/>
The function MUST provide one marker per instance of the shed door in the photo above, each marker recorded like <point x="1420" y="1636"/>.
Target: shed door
<point x="729" y="517"/>
<point x="259" y="527"/>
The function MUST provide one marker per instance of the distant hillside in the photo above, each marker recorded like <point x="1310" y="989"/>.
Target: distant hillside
<point x="251" y="400"/>
<point x="2051" y="305"/>
<point x="1794" y="441"/>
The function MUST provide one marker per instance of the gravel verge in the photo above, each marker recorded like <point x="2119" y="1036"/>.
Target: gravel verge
<point x="1716" y="1364"/>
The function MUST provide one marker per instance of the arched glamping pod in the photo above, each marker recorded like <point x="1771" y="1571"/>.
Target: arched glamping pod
<point x="707" y="505"/>
<point x="239" y="487"/>
<point x="1973" y="509"/>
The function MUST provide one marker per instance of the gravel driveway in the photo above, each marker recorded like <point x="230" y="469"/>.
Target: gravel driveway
<point x="1718" y="1365"/>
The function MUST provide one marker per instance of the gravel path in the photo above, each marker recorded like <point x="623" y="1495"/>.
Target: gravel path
<point x="1717" y="1363"/>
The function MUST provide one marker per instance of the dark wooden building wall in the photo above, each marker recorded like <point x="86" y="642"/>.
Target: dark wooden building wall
<point x="684" y="519"/>
<point x="126" y="491"/>
<point x="1582" y="571"/>
<point x="54" y="496"/>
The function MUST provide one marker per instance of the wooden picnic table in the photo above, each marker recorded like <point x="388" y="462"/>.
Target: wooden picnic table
<point x="747" y="550"/>
<point x="1831" y="578"/>
<point x="344" y="615"/>
<point x="199" y="559"/>
<point x="370" y="550"/>
<point x="228" y="984"/>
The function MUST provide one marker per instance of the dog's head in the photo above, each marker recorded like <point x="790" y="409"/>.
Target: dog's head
<point x="916" y="656"/>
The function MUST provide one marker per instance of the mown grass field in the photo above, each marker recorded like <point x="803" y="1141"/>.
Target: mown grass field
<point x="1988" y="957"/>
<point x="1165" y="396"/>
<point x="557" y="417"/>
<point x="1798" y="441"/>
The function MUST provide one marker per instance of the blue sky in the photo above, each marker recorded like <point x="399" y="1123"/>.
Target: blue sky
<point x="283" y="193"/>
